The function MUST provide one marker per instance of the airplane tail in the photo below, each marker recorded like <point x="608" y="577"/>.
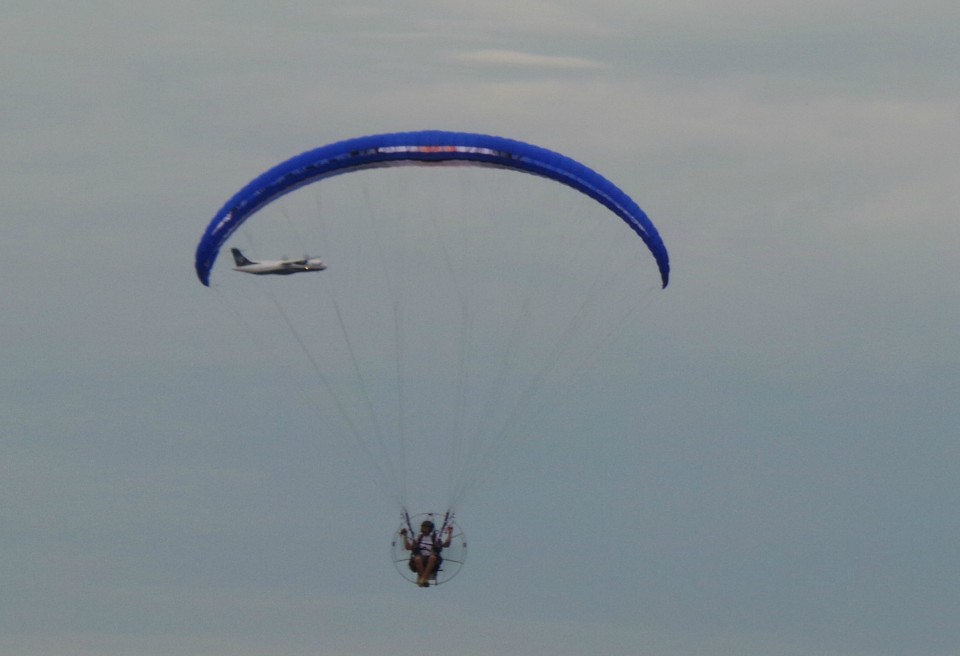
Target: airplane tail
<point x="239" y="258"/>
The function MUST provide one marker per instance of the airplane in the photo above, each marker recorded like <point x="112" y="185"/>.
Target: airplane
<point x="275" y="267"/>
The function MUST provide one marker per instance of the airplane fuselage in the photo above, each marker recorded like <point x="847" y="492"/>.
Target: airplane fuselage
<point x="276" y="267"/>
<point x="282" y="267"/>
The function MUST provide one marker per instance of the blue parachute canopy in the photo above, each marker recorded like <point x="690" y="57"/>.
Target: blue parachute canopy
<point x="422" y="148"/>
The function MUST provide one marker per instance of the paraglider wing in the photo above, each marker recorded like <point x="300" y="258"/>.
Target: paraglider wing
<point x="421" y="148"/>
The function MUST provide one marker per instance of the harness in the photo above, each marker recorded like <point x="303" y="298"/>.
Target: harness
<point x="435" y="539"/>
<point x="437" y="547"/>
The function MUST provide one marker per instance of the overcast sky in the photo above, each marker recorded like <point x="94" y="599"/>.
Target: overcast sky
<point x="767" y="465"/>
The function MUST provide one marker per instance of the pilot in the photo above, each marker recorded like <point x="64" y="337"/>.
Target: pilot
<point x="426" y="548"/>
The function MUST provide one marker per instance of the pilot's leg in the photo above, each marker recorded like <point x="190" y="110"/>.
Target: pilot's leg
<point x="428" y="570"/>
<point x="421" y="570"/>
